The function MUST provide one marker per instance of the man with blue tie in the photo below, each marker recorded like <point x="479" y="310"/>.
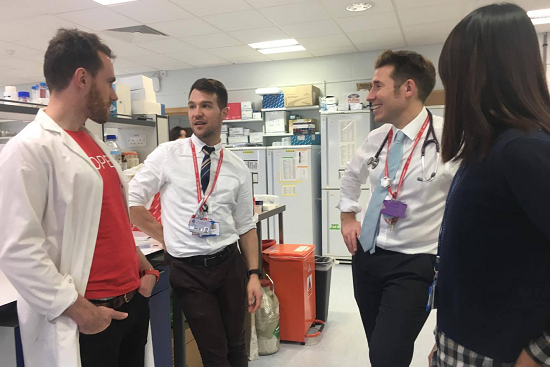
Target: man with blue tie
<point x="394" y="250"/>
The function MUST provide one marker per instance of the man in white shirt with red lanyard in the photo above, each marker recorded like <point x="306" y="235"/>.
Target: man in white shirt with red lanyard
<point x="206" y="199"/>
<point x="394" y="250"/>
<point x="66" y="242"/>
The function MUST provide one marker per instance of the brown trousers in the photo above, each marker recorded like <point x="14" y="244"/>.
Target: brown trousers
<point x="213" y="299"/>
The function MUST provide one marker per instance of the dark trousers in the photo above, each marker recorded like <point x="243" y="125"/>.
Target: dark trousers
<point x="213" y="299"/>
<point x="391" y="290"/>
<point x="122" y="344"/>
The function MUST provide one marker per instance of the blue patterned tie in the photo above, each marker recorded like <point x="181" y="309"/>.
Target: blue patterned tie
<point x="371" y="222"/>
<point x="205" y="168"/>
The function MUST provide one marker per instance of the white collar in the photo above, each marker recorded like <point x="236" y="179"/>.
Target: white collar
<point x="200" y="144"/>
<point x="413" y="127"/>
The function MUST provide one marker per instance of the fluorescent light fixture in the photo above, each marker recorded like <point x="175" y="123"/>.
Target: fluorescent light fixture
<point x="278" y="50"/>
<point x="541" y="16"/>
<point x="272" y="44"/>
<point x="113" y="2"/>
<point x="359" y="6"/>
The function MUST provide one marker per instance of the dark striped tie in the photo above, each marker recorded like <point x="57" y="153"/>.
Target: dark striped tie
<point x="205" y="168"/>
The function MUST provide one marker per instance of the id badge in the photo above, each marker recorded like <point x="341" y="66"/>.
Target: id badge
<point x="204" y="227"/>
<point x="394" y="209"/>
<point x="431" y="296"/>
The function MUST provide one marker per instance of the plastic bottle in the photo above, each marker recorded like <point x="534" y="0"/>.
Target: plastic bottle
<point x="10" y="93"/>
<point x="44" y="92"/>
<point x="24" y="96"/>
<point x="115" y="150"/>
<point x="35" y="95"/>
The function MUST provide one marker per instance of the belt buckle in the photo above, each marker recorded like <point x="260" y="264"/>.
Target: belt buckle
<point x="126" y="300"/>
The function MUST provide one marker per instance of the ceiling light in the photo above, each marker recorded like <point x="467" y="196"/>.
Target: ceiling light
<point x="271" y="44"/>
<point x="112" y="2"/>
<point x="277" y="50"/>
<point x="541" y="16"/>
<point x="359" y="6"/>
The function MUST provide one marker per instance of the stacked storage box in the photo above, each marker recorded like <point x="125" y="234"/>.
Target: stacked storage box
<point x="144" y="99"/>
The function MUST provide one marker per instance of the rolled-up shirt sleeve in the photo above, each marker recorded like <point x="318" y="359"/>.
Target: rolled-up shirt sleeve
<point x="244" y="210"/>
<point x="148" y="181"/>
<point x="355" y="175"/>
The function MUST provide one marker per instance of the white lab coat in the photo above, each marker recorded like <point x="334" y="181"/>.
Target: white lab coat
<point x="50" y="205"/>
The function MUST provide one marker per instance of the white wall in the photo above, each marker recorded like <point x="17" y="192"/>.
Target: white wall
<point x="340" y="72"/>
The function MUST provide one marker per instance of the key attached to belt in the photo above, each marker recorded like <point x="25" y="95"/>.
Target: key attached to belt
<point x="431" y="296"/>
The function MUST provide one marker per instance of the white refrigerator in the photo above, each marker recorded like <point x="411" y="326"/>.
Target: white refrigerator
<point x="294" y="175"/>
<point x="256" y="160"/>
<point x="345" y="132"/>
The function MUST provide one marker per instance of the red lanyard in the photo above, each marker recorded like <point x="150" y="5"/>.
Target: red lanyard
<point x="407" y="164"/>
<point x="197" y="175"/>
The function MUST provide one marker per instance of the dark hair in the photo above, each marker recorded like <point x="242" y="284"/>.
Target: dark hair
<point x="409" y="65"/>
<point x="494" y="79"/>
<point x="175" y="133"/>
<point x="212" y="86"/>
<point x="69" y="50"/>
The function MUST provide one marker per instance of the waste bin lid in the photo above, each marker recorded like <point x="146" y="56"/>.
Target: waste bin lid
<point x="288" y="250"/>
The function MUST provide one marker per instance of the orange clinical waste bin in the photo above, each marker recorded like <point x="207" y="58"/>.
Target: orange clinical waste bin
<point x="292" y="268"/>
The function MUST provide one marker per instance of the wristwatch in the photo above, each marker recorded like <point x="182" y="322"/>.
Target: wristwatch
<point x="153" y="272"/>
<point x="254" y="271"/>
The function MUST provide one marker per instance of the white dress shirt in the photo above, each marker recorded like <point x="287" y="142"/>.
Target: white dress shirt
<point x="418" y="232"/>
<point x="170" y="170"/>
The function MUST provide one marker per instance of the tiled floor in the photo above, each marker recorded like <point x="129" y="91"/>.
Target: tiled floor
<point x="343" y="342"/>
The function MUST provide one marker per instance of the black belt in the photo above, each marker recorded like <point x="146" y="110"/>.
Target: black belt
<point x="209" y="260"/>
<point x="115" y="302"/>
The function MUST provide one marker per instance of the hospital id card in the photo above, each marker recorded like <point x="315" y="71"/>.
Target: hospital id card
<point x="204" y="227"/>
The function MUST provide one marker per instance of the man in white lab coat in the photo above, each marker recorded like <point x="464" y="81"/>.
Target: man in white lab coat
<point x="66" y="244"/>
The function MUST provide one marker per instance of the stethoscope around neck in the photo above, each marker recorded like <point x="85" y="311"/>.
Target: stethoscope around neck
<point x="373" y="161"/>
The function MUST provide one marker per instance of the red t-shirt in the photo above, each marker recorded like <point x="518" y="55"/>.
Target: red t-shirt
<point x="115" y="266"/>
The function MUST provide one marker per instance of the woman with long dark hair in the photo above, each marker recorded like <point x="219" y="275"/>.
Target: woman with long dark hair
<point x="493" y="286"/>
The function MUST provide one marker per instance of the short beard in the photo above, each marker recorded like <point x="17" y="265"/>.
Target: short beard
<point x="97" y="109"/>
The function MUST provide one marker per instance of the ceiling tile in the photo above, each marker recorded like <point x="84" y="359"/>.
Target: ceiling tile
<point x="408" y="4"/>
<point x="295" y="13"/>
<point x="248" y="19"/>
<point x="424" y="34"/>
<point x="337" y="8"/>
<point x="290" y="55"/>
<point x="379" y="45"/>
<point x="312" y="29"/>
<point x="10" y="62"/>
<point x="7" y="49"/>
<point x="366" y="22"/>
<point x="151" y="11"/>
<point x="124" y="49"/>
<point x="163" y="62"/>
<point x="121" y="63"/>
<point x="36" y="73"/>
<point x="210" y="7"/>
<point x="269" y="3"/>
<point x="427" y="14"/>
<point x="169" y="45"/>
<point x="381" y="35"/>
<point x="335" y="40"/>
<point x="333" y="50"/>
<point x="33" y="27"/>
<point x="185" y="28"/>
<point x="199" y="58"/>
<point x="10" y="80"/>
<point x="98" y="19"/>
<point x="38" y="43"/>
<point x="212" y="41"/>
<point x="234" y="51"/>
<point x="136" y="70"/>
<point x="61" y="6"/>
<point x="260" y="35"/>
<point x="248" y="59"/>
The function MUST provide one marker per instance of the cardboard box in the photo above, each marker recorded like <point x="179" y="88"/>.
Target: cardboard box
<point x="138" y="82"/>
<point x="273" y="101"/>
<point x="310" y="139"/>
<point x="234" y="131"/>
<point x="144" y="94"/>
<point x="246" y="114"/>
<point x="256" y="137"/>
<point x="331" y="100"/>
<point x="436" y="98"/>
<point x="355" y="106"/>
<point x="291" y="123"/>
<point x="223" y="138"/>
<point x="146" y="108"/>
<point x="364" y="86"/>
<point x="238" y="139"/>
<point x="332" y="107"/>
<point x="225" y="128"/>
<point x="301" y="95"/>
<point x="246" y="131"/>
<point x="354" y="97"/>
<point x="124" y="104"/>
<point x="343" y="107"/>
<point x="234" y="111"/>
<point x="257" y="115"/>
<point x="247" y="105"/>
<point x="276" y="121"/>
